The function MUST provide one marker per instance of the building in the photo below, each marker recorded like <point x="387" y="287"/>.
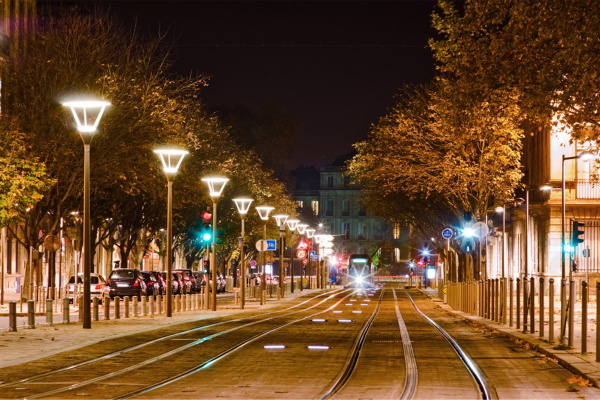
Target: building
<point x="327" y="198"/>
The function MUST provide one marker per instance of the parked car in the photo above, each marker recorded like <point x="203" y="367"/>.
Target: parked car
<point x="221" y="283"/>
<point x="199" y="280"/>
<point x="125" y="282"/>
<point x="162" y="284"/>
<point x="175" y="283"/>
<point x="152" y="286"/>
<point x="97" y="286"/>
<point x="188" y="278"/>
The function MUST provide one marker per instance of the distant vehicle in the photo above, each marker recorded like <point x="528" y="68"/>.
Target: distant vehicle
<point x="221" y="283"/>
<point x="188" y="278"/>
<point x="126" y="282"/>
<point x="97" y="286"/>
<point x="175" y="283"/>
<point x="359" y="271"/>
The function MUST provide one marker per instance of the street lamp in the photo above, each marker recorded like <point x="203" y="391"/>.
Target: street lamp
<point x="310" y="232"/>
<point x="301" y="231"/>
<point x="243" y="204"/>
<point x="280" y="219"/>
<point x="584" y="156"/>
<point x="263" y="213"/>
<point x="528" y="224"/>
<point x="87" y="115"/>
<point x="503" y="211"/>
<point x="215" y="184"/>
<point x="171" y="160"/>
<point x="292" y="225"/>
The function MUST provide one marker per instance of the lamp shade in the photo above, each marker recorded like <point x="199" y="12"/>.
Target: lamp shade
<point x="216" y="184"/>
<point x="87" y="113"/>
<point x="302" y="228"/>
<point x="280" y="218"/>
<point x="243" y="205"/>
<point x="264" y="211"/>
<point x="292" y="224"/>
<point x="171" y="159"/>
<point x="310" y="232"/>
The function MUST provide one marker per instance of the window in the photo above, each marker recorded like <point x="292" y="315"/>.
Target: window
<point x="346" y="181"/>
<point x="300" y="204"/>
<point x="330" y="182"/>
<point x="329" y="208"/>
<point x="345" y="207"/>
<point x="346" y="230"/>
<point x="314" y="205"/>
<point x="362" y="232"/>
<point x="361" y="211"/>
<point x="397" y="231"/>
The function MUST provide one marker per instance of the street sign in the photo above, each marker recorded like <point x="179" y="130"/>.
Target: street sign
<point x="447" y="233"/>
<point x="265" y="245"/>
<point x="253" y="263"/>
<point x="301" y="254"/>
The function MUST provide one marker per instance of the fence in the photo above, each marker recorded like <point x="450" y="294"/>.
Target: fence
<point x="535" y="305"/>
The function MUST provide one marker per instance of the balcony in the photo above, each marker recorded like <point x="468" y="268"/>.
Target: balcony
<point x="588" y="189"/>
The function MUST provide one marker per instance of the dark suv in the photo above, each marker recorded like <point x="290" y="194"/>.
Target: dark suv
<point x="125" y="282"/>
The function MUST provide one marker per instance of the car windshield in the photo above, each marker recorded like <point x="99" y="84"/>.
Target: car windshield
<point x="122" y="274"/>
<point x="94" y="280"/>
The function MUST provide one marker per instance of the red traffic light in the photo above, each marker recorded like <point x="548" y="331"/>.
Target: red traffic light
<point x="207" y="216"/>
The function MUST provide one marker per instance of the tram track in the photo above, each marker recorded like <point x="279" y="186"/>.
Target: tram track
<point x="265" y="317"/>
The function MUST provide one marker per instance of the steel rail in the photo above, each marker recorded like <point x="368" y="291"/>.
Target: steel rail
<point x="471" y="366"/>
<point x="189" y="345"/>
<point x="350" y="365"/>
<point x="411" y="379"/>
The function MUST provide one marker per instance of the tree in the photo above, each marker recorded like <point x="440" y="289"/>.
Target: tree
<point x="23" y="179"/>
<point x="545" y="53"/>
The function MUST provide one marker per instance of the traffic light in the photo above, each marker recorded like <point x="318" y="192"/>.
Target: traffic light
<point x="206" y="233"/>
<point x="577" y="233"/>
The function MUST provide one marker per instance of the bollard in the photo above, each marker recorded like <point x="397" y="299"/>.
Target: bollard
<point x="525" y="304"/>
<point x="532" y="306"/>
<point x="126" y="306"/>
<point x="152" y="306"/>
<point x="551" y="310"/>
<point x="184" y="302"/>
<point x="584" y="304"/>
<point x="144" y="306"/>
<point x="518" y="305"/>
<point x="541" y="301"/>
<point x="264" y="297"/>
<point x="571" y="312"/>
<point x="236" y="300"/>
<point x="106" y="305"/>
<point x="66" y="311"/>
<point x="135" y="307"/>
<point x="117" y="307"/>
<point x="49" y="311"/>
<point x="95" y="314"/>
<point x="80" y="309"/>
<point x="597" y="321"/>
<point x="159" y="304"/>
<point x="12" y="316"/>
<point x="31" y="314"/>
<point x="511" y="301"/>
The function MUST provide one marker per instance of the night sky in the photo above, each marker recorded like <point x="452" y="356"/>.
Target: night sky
<point x="335" y="66"/>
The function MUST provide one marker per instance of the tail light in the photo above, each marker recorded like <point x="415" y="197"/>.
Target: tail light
<point x="108" y="281"/>
<point x="98" y="287"/>
<point x="136" y="283"/>
<point x="68" y="287"/>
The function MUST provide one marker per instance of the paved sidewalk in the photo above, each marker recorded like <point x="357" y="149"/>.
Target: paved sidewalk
<point x="43" y="341"/>
<point x="584" y="365"/>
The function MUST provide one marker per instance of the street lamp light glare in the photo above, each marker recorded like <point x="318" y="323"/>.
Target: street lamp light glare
<point x="87" y="113"/>
<point x="216" y="184"/>
<point x="171" y="159"/>
<point x="243" y="205"/>
<point x="292" y="224"/>
<point x="264" y="211"/>
<point x="586" y="156"/>
<point x="310" y="232"/>
<point x="302" y="228"/>
<point x="280" y="218"/>
<point x="545" y="188"/>
<point x="499" y="209"/>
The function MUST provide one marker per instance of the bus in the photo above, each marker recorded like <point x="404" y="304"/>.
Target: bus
<point x="360" y="273"/>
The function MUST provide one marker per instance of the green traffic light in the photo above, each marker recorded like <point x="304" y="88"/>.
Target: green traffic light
<point x="206" y="237"/>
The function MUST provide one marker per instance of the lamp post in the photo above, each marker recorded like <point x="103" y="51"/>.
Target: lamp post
<point x="87" y="115"/>
<point x="528" y="226"/>
<point x="310" y="232"/>
<point x="584" y="156"/>
<point x="215" y="184"/>
<point x="171" y="160"/>
<point x="503" y="211"/>
<point x="281" y="218"/>
<point x="292" y="225"/>
<point x="243" y="204"/>
<point x="263" y="213"/>
<point x="301" y="231"/>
